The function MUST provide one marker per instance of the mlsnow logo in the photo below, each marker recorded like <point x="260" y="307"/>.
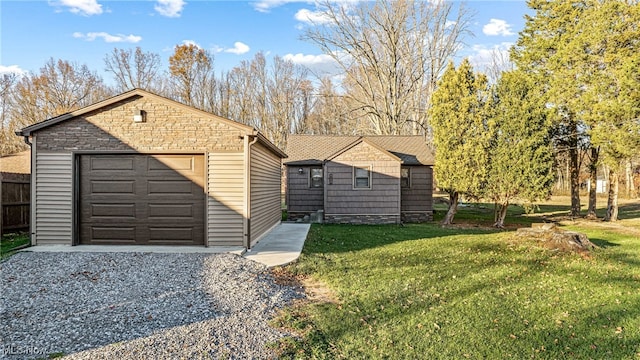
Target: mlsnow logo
<point x="22" y="350"/>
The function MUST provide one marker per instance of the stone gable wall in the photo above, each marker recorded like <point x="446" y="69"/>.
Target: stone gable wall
<point x="166" y="128"/>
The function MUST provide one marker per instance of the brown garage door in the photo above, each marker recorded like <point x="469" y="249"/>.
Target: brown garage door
<point x="142" y="199"/>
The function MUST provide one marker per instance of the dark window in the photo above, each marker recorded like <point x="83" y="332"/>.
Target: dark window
<point x="362" y="177"/>
<point x="316" y="178"/>
<point x="405" y="177"/>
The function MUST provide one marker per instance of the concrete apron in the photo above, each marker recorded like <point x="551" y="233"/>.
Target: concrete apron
<point x="282" y="245"/>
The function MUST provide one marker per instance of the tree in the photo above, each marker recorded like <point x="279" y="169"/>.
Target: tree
<point x="547" y="52"/>
<point x="392" y="54"/>
<point x="60" y="87"/>
<point x="9" y="143"/>
<point x="460" y="134"/>
<point x="611" y="49"/>
<point x="191" y="68"/>
<point x="133" y="69"/>
<point x="520" y="159"/>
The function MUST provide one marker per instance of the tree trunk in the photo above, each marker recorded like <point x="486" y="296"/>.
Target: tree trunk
<point x="501" y="214"/>
<point x="593" y="183"/>
<point x="630" y="186"/>
<point x="453" y="208"/>
<point x="575" y="179"/>
<point x="612" y="201"/>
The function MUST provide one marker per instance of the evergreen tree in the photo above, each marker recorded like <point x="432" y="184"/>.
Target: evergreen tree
<point x="461" y="137"/>
<point x="520" y="165"/>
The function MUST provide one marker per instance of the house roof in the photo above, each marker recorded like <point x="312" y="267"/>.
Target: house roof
<point x="251" y="131"/>
<point x="18" y="163"/>
<point x="314" y="149"/>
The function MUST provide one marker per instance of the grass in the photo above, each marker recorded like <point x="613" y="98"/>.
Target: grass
<point x="468" y="291"/>
<point x="11" y="242"/>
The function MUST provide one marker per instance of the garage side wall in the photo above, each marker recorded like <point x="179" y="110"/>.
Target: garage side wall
<point x="53" y="198"/>
<point x="266" y="211"/>
<point x="226" y="199"/>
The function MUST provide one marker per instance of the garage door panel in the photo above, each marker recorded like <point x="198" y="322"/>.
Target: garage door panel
<point x="171" y="163"/>
<point x="115" y="187"/>
<point x="113" y="210"/>
<point x="167" y="234"/>
<point x="120" y="234"/>
<point x="142" y="199"/>
<point x="112" y="163"/>
<point x="170" y="211"/>
<point x="170" y="187"/>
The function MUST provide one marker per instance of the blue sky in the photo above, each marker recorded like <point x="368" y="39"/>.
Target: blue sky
<point x="84" y="31"/>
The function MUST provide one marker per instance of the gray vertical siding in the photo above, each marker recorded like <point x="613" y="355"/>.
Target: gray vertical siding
<point x="419" y="196"/>
<point x="301" y="197"/>
<point x="53" y="198"/>
<point x="225" y="204"/>
<point x="265" y="191"/>
<point x="384" y="196"/>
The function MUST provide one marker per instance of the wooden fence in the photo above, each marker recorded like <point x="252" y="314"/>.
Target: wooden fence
<point x="14" y="204"/>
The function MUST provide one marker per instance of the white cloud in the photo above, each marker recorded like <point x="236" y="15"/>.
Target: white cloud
<point x="191" y="42"/>
<point x="497" y="27"/>
<point x="170" y="8"/>
<point x="91" y="36"/>
<point x="11" y="69"/>
<point x="311" y="17"/>
<point x="238" y="48"/>
<point x="450" y="23"/>
<point x="82" y="7"/>
<point x="321" y="65"/>
<point x="266" y="5"/>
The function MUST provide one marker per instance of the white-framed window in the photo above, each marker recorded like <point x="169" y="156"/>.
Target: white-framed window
<point x="315" y="178"/>
<point x="362" y="177"/>
<point x="405" y="177"/>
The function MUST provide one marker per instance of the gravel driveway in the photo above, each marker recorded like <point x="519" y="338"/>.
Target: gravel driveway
<point x="138" y="306"/>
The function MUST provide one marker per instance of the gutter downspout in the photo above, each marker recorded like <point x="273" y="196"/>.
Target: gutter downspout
<point x="247" y="190"/>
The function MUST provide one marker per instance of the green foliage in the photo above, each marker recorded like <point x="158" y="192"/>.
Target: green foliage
<point x="423" y="291"/>
<point x="520" y="165"/>
<point x="12" y="241"/>
<point x="459" y="130"/>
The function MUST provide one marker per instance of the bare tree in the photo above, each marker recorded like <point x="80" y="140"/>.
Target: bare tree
<point x="60" y="87"/>
<point x="191" y="68"/>
<point x="392" y="53"/>
<point x="133" y="69"/>
<point x="9" y="143"/>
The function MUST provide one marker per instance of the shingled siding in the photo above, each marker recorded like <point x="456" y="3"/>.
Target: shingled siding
<point x="166" y="128"/>
<point x="379" y="204"/>
<point x="265" y="191"/>
<point x="417" y="200"/>
<point x="301" y="198"/>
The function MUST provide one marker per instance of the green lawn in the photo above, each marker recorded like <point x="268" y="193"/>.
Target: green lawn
<point x="423" y="291"/>
<point x="12" y="241"/>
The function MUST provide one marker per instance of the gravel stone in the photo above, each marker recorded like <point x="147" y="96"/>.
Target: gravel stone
<point x="138" y="306"/>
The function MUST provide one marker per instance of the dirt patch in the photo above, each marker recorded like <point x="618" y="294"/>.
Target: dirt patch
<point x="315" y="290"/>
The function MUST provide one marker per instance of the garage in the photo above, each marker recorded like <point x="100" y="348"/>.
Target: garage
<point x="140" y="169"/>
<point x="141" y="199"/>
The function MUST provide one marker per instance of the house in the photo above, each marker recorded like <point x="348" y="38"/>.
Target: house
<point x="141" y="169"/>
<point x="360" y="179"/>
